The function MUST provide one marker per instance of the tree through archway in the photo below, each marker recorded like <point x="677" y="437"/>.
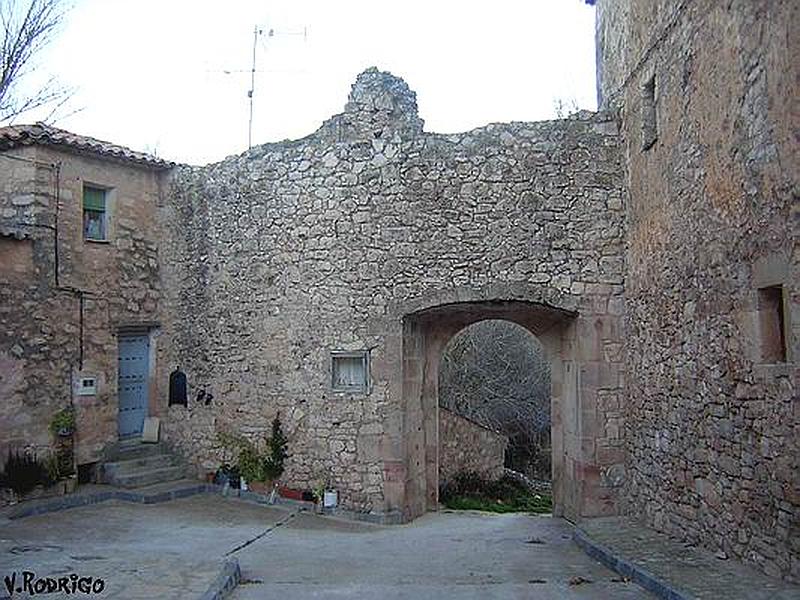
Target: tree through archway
<point x="495" y="374"/>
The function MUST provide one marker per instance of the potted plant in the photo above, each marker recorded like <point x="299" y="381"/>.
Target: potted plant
<point x="60" y="469"/>
<point x="63" y="423"/>
<point x="325" y="497"/>
<point x="277" y="452"/>
<point x="250" y="467"/>
<point x="319" y="494"/>
<point x="221" y="474"/>
<point x="259" y="471"/>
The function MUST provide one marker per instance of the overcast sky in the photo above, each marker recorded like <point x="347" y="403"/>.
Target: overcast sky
<point x="171" y="76"/>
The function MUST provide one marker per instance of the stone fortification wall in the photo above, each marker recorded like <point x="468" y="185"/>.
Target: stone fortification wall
<point x="713" y="213"/>
<point x="276" y="257"/>
<point x="466" y="446"/>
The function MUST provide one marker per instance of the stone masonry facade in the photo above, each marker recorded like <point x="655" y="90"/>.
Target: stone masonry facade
<point x="651" y="247"/>
<point x="468" y="447"/>
<point x="294" y="250"/>
<point x="61" y="309"/>
<point x="713" y="422"/>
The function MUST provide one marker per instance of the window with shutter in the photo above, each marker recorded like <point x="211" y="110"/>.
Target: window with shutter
<point x="95" y="214"/>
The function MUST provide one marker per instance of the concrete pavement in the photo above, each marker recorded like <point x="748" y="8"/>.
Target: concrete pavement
<point x="175" y="549"/>
<point x="441" y="555"/>
<point x="674" y="569"/>
<point x="167" y="551"/>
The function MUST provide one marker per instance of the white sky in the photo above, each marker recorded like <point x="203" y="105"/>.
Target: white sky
<point x="150" y="74"/>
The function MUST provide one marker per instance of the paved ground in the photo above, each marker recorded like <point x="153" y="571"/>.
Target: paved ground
<point x="170" y="551"/>
<point x="444" y="555"/>
<point x="174" y="550"/>
<point x="693" y="571"/>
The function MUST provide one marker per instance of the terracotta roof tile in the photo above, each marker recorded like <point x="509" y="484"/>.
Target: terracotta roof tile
<point x="40" y="133"/>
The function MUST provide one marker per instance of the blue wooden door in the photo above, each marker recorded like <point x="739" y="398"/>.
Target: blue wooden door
<point x="134" y="353"/>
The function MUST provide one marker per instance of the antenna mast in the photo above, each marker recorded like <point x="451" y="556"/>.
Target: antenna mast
<point x="256" y="32"/>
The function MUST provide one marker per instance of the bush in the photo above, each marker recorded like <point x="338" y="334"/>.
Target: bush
<point x="259" y="466"/>
<point x="470" y="491"/>
<point x="277" y="451"/>
<point x="63" y="422"/>
<point x="23" y="472"/>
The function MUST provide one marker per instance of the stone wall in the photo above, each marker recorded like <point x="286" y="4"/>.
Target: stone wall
<point x="54" y="329"/>
<point x="466" y="446"/>
<point x="713" y="215"/>
<point x="276" y="257"/>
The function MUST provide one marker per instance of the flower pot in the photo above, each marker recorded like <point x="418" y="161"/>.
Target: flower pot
<point x="290" y="493"/>
<point x="70" y="483"/>
<point x="261" y="487"/>
<point x="330" y="499"/>
<point x="65" y="432"/>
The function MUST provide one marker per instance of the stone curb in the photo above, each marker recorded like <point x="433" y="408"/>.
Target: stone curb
<point x="75" y="500"/>
<point x="229" y="577"/>
<point x="634" y="572"/>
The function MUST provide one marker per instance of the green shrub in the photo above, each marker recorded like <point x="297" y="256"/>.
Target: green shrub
<point x="470" y="491"/>
<point x="277" y="451"/>
<point x="254" y="465"/>
<point x="23" y="472"/>
<point x="249" y="461"/>
<point x="63" y="421"/>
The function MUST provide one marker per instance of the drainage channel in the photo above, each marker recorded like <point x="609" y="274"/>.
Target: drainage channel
<point x="264" y="533"/>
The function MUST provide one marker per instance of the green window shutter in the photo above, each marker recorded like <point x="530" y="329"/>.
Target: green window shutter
<point x="94" y="199"/>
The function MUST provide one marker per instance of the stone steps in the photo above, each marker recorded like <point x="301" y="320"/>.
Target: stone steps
<point x="125" y="467"/>
<point x="129" y="449"/>
<point x="132" y="464"/>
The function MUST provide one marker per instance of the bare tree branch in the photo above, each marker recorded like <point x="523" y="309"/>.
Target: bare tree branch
<point x="495" y="373"/>
<point x="26" y="29"/>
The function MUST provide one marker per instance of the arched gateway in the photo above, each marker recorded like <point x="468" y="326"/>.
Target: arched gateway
<point x="553" y="319"/>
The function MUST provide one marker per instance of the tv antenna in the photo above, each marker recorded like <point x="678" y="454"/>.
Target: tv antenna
<point x="251" y="91"/>
<point x="257" y="31"/>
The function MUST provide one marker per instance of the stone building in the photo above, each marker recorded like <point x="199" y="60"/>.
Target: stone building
<point x="707" y="95"/>
<point x="651" y="247"/>
<point x="79" y="278"/>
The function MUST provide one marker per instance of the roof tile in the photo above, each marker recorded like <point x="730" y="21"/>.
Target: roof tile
<point x="13" y="136"/>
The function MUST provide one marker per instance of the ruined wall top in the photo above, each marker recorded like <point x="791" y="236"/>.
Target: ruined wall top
<point x="380" y="105"/>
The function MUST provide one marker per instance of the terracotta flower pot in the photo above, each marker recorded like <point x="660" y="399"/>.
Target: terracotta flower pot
<point x="290" y="493"/>
<point x="260" y="487"/>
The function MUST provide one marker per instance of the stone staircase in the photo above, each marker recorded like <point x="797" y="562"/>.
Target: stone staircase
<point x="132" y="464"/>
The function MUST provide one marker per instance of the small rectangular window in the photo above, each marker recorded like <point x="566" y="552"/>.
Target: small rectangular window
<point x="772" y="324"/>
<point x="649" y="117"/>
<point x="95" y="214"/>
<point x="350" y="371"/>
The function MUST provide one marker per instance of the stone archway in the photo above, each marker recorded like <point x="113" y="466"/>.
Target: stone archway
<point x="425" y="334"/>
<point x="494" y="403"/>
